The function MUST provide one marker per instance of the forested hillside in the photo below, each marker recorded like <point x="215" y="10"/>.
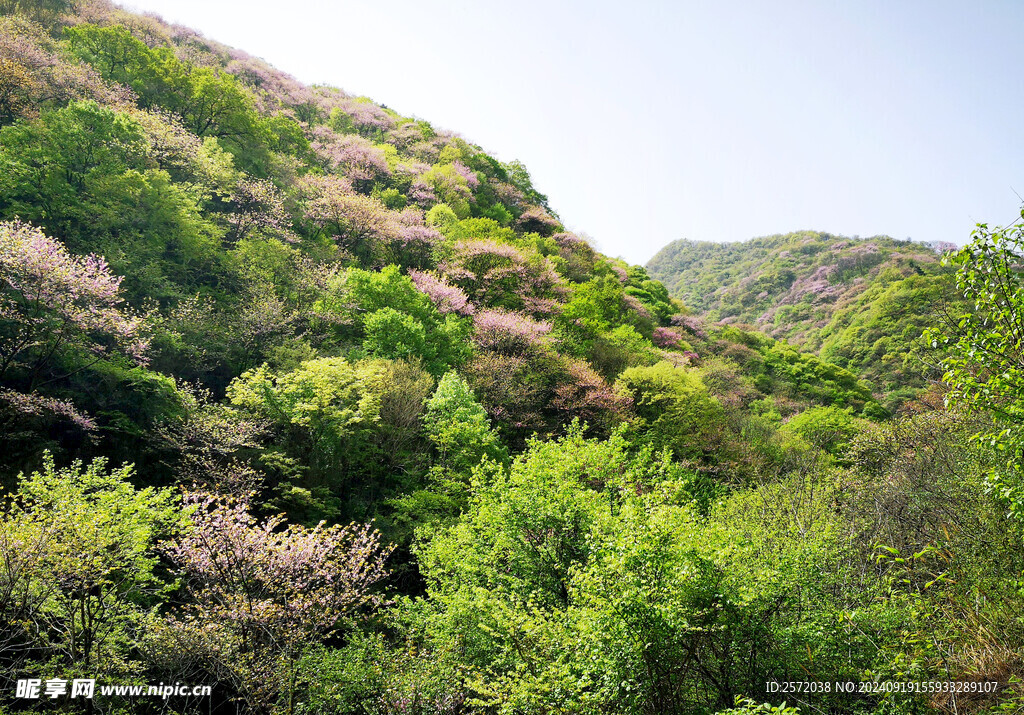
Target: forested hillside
<point x="322" y="406"/>
<point x="860" y="303"/>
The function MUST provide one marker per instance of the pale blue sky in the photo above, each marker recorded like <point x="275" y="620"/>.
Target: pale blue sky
<point x="649" y="121"/>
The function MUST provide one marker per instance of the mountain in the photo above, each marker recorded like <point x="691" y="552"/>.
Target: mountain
<point x="857" y="302"/>
<point x="307" y="406"/>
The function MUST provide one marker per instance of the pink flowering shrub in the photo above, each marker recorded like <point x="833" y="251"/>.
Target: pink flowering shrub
<point x="363" y="226"/>
<point x="358" y="115"/>
<point x="507" y="194"/>
<point x="35" y="405"/>
<point x="509" y="333"/>
<point x="35" y="73"/>
<point x="633" y="303"/>
<point x="262" y="591"/>
<point x="467" y="174"/>
<point x="499" y="275"/>
<point x="666" y="338"/>
<point x="449" y="183"/>
<point x="351" y="155"/>
<point x="274" y="90"/>
<point x="584" y="394"/>
<point x="50" y="299"/>
<point x="511" y="389"/>
<point x="537" y="220"/>
<point x="620" y="273"/>
<point x="445" y="297"/>
<point x="257" y="209"/>
<point x="331" y="208"/>
<point x="405" y="135"/>
<point x="691" y="324"/>
<point x="578" y="257"/>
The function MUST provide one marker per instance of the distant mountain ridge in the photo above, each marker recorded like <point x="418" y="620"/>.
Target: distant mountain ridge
<point x="858" y="302"/>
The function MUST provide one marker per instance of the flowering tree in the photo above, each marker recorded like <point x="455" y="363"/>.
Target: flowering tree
<point x="509" y="333"/>
<point x="257" y="208"/>
<point x="360" y="115"/>
<point x="351" y="155"/>
<point x="275" y="91"/>
<point x="445" y="297"/>
<point x="451" y="183"/>
<point x="78" y="562"/>
<point x="35" y="73"/>
<point x="666" y="338"/>
<point x="333" y="209"/>
<point x="537" y="220"/>
<point x="499" y="275"/>
<point x="262" y="592"/>
<point x="52" y="303"/>
<point x="584" y="394"/>
<point x="363" y="225"/>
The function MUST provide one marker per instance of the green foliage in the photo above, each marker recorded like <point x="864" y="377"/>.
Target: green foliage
<point x="458" y="427"/>
<point x="862" y="303"/>
<point x="395" y="319"/>
<point x="211" y="103"/>
<point x="83" y="174"/>
<point x="746" y="706"/>
<point x="391" y="334"/>
<point x="828" y="428"/>
<point x="80" y="575"/>
<point x="742" y="511"/>
<point x="985" y="365"/>
<point x="325" y="411"/>
<point x="674" y="403"/>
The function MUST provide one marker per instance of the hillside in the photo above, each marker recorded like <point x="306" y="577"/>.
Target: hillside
<point x="860" y="303"/>
<point x="321" y="406"/>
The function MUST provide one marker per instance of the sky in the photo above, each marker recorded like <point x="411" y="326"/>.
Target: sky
<point x="719" y="120"/>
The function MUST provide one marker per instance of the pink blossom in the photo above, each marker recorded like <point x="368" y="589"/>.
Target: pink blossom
<point x="665" y="338"/>
<point x="331" y="207"/>
<point x="445" y="297"/>
<point x="257" y="207"/>
<point x="499" y="274"/>
<point x="691" y="324"/>
<point x="261" y="590"/>
<point x="586" y="395"/>
<point x="52" y="296"/>
<point x="353" y="156"/>
<point x="466" y="173"/>
<point x="39" y="405"/>
<point x="509" y="332"/>
<point x="537" y="220"/>
<point x="422" y="193"/>
<point x="633" y="303"/>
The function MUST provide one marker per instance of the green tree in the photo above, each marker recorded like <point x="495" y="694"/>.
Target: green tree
<point x="82" y="172"/>
<point x="78" y="569"/>
<point x="985" y="365"/>
<point x="676" y="407"/>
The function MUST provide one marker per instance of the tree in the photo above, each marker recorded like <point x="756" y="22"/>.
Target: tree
<point x="211" y="103"/>
<point x="83" y="174"/>
<point x="675" y="404"/>
<point x="54" y="305"/>
<point x="395" y="319"/>
<point x="324" y="413"/>
<point x="985" y="366"/>
<point x="458" y="426"/>
<point x="78" y="568"/>
<point x="263" y="592"/>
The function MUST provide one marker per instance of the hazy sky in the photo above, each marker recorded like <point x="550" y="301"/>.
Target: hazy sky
<point x="649" y="121"/>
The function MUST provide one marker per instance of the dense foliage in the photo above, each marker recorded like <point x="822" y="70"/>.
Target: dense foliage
<point x="322" y="406"/>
